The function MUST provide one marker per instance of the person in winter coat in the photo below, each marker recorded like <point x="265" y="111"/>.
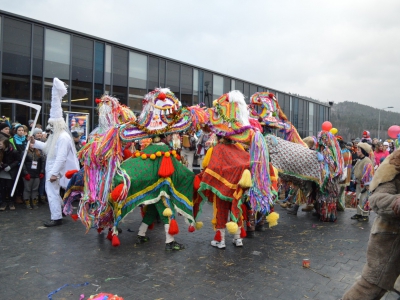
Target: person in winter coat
<point x="32" y="173"/>
<point x="19" y="139"/>
<point x="380" y="154"/>
<point x="383" y="254"/>
<point x="9" y="162"/>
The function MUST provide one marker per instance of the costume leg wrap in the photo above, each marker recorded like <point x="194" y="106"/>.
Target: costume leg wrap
<point x="143" y="229"/>
<point x="168" y="238"/>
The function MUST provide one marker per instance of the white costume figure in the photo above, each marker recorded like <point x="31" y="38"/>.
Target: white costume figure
<point x="60" y="152"/>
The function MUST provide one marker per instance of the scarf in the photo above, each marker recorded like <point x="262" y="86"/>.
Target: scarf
<point x="19" y="140"/>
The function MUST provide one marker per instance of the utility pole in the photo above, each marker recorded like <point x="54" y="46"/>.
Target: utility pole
<point x="379" y="119"/>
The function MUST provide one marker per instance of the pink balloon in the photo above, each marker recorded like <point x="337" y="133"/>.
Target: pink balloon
<point x="326" y="126"/>
<point x="393" y="131"/>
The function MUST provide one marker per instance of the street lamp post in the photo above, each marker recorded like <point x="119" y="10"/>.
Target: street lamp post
<point x="379" y="119"/>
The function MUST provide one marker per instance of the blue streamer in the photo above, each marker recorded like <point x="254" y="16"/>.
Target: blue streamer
<point x="65" y="285"/>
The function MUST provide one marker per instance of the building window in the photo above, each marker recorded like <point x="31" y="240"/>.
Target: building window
<point x="300" y="114"/>
<point x="186" y="86"/>
<point x="253" y="90"/>
<point x="98" y="69"/>
<point x="57" y="51"/>
<point x="246" y="92"/>
<point x="120" y="74"/>
<point x="233" y="85"/>
<point x="137" y="80"/>
<point x="321" y="116"/>
<point x="196" y="86"/>
<point x="153" y="76"/>
<point x="239" y="85"/>
<point x="207" y="86"/>
<point x="37" y="62"/>
<point x="162" y="72"/>
<point x="218" y="86"/>
<point x="295" y="112"/>
<point x="260" y="89"/>
<point x="310" y="118"/>
<point x="227" y="85"/>
<point x="173" y="75"/>
<point x="82" y="71"/>
<point x="16" y="61"/>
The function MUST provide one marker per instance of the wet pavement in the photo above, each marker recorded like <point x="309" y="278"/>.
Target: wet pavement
<point x="37" y="260"/>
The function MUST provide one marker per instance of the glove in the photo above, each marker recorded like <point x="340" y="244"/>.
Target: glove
<point x="7" y="168"/>
<point x="27" y="177"/>
<point x="41" y="175"/>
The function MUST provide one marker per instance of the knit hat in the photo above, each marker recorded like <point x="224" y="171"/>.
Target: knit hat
<point x="366" y="147"/>
<point x="16" y="126"/>
<point x="385" y="144"/>
<point x="4" y="125"/>
<point x="36" y="131"/>
<point x="357" y="140"/>
<point x="30" y="122"/>
<point x="58" y="91"/>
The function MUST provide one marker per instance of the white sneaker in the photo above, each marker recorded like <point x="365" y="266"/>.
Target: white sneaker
<point x="238" y="242"/>
<point x="219" y="245"/>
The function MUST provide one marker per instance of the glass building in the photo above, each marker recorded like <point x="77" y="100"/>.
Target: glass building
<point x="33" y="52"/>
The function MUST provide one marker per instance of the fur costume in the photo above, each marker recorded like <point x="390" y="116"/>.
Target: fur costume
<point x="383" y="253"/>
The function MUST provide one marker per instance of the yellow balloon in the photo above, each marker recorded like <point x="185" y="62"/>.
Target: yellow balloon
<point x="333" y="130"/>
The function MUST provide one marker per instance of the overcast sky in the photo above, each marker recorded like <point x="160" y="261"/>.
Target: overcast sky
<point x="328" y="50"/>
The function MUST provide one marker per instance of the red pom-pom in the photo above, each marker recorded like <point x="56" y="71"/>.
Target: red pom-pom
<point x="243" y="233"/>
<point x="116" y="193"/>
<point x="217" y="236"/>
<point x="191" y="228"/>
<point x="115" y="241"/>
<point x="161" y="96"/>
<point x="70" y="173"/>
<point x="173" y="227"/>
<point x="271" y="95"/>
<point x="98" y="100"/>
<point x="109" y="235"/>
<point x="127" y="154"/>
<point x="99" y="230"/>
<point x="166" y="167"/>
<point x="74" y="217"/>
<point x="151" y="226"/>
<point x="196" y="182"/>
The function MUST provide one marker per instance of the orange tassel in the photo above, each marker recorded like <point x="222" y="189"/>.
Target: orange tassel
<point x="115" y="241"/>
<point x="173" y="227"/>
<point x="109" y="235"/>
<point x="69" y="173"/>
<point x="196" y="183"/>
<point x="243" y="233"/>
<point x="74" y="217"/>
<point x="217" y="236"/>
<point x="116" y="193"/>
<point x="166" y="167"/>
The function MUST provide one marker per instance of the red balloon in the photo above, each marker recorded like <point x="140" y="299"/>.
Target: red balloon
<point x="326" y="126"/>
<point x="393" y="131"/>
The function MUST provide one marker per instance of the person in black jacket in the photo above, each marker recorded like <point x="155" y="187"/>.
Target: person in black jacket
<point x="9" y="162"/>
<point x="32" y="173"/>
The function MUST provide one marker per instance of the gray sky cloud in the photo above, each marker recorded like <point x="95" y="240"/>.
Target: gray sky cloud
<point x="328" y="50"/>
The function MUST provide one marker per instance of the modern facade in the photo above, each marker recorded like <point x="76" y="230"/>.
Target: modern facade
<point x="33" y="52"/>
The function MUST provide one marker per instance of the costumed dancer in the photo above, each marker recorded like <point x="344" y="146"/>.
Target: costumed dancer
<point x="363" y="173"/>
<point x="311" y="142"/>
<point x="346" y="175"/>
<point x="60" y="153"/>
<point x="158" y="180"/>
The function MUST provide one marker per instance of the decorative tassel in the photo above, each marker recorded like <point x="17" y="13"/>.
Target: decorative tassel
<point x="243" y="233"/>
<point x="191" y="228"/>
<point x="245" y="181"/>
<point x="232" y="227"/>
<point x="167" y="212"/>
<point x="115" y="241"/>
<point x="173" y="227"/>
<point x="199" y="225"/>
<point x="109" y="235"/>
<point x="196" y="182"/>
<point x="117" y="192"/>
<point x="272" y="219"/>
<point x="166" y="167"/>
<point x="127" y="154"/>
<point x="69" y="173"/>
<point x="217" y="236"/>
<point x="74" y="217"/>
<point x="207" y="158"/>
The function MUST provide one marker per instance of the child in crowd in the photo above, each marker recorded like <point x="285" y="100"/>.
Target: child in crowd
<point x="9" y="161"/>
<point x="32" y="172"/>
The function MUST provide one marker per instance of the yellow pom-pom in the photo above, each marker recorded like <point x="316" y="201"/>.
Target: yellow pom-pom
<point x="198" y="225"/>
<point x="158" y="153"/>
<point x="144" y="156"/>
<point x="175" y="155"/>
<point x="272" y="219"/>
<point x="214" y="222"/>
<point x="167" y="212"/>
<point x="173" y="152"/>
<point x="167" y="154"/>
<point x="232" y="227"/>
<point x="245" y="181"/>
<point x="137" y="154"/>
<point x="153" y="156"/>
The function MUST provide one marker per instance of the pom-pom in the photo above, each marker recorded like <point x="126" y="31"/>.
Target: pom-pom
<point x="243" y="233"/>
<point x="153" y="156"/>
<point x="167" y="212"/>
<point x="167" y="154"/>
<point x="115" y="241"/>
<point x="69" y="173"/>
<point x="158" y="153"/>
<point x="161" y="96"/>
<point x="99" y="230"/>
<point x="143" y="156"/>
<point x="196" y="182"/>
<point x="271" y="95"/>
<point x="74" y="217"/>
<point x="173" y="152"/>
<point x="245" y="181"/>
<point x="166" y="167"/>
<point x="137" y="154"/>
<point x="232" y="227"/>
<point x="198" y="225"/>
<point x="173" y="227"/>
<point x="127" y="154"/>
<point x="272" y="219"/>
<point x="109" y="235"/>
<point x="217" y="236"/>
<point x="98" y="100"/>
<point x="191" y="228"/>
<point x="116" y="193"/>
